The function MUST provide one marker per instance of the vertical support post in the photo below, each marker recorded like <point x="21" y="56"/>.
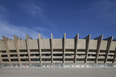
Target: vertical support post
<point x="16" y="39"/>
<point x="76" y="47"/>
<point x="99" y="40"/>
<point x="39" y="42"/>
<point x="1" y="57"/>
<point x="108" y="47"/>
<point x="28" y="48"/>
<point x="114" y="58"/>
<point x="87" y="46"/>
<point x="5" y="40"/>
<point x="51" y="47"/>
<point x="64" y="40"/>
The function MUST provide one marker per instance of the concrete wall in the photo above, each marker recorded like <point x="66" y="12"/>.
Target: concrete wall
<point x="81" y="44"/>
<point x="11" y="45"/>
<point x="45" y="43"/>
<point x="103" y="45"/>
<point x="93" y="44"/>
<point x="113" y="45"/>
<point x="2" y="46"/>
<point x="22" y="44"/>
<point x="33" y="44"/>
<point x="57" y="44"/>
<point x="70" y="44"/>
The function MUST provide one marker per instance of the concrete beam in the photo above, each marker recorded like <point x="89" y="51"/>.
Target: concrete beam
<point x="28" y="37"/>
<point x="114" y="58"/>
<point x="64" y="40"/>
<point x="16" y="37"/>
<point x="51" y="47"/>
<point x="87" y="46"/>
<point x="98" y="46"/>
<point x="40" y="36"/>
<point x="28" y="49"/>
<point x="109" y="39"/>
<point x="0" y="55"/>
<point x="17" y="47"/>
<point x="5" y="39"/>
<point x="39" y="42"/>
<point x="76" y="47"/>
<point x="0" y="58"/>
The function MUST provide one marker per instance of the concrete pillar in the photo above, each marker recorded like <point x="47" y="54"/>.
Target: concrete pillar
<point x="1" y="57"/>
<point x="16" y="39"/>
<point x="39" y="42"/>
<point x="28" y="48"/>
<point x="114" y="58"/>
<point x="109" y="39"/>
<point x="64" y="39"/>
<point x="76" y="45"/>
<point x="87" y="46"/>
<point x="5" y="39"/>
<point x="99" y="39"/>
<point x="51" y="47"/>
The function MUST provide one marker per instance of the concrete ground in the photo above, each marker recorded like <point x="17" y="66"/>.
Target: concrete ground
<point x="57" y="72"/>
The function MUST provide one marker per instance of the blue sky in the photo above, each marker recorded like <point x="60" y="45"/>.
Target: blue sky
<point x="20" y="17"/>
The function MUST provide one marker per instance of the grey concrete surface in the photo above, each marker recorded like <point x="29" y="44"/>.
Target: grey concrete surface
<point x="57" y="72"/>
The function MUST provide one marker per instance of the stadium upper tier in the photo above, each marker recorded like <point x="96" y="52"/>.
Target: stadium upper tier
<point x="62" y="51"/>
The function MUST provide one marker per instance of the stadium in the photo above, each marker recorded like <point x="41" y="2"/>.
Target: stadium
<point x="71" y="53"/>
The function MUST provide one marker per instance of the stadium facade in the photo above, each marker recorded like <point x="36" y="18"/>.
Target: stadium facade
<point x="63" y="52"/>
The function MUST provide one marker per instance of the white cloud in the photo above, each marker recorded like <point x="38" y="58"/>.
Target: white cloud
<point x="32" y="9"/>
<point x="3" y="12"/>
<point x="9" y="30"/>
<point x="41" y="29"/>
<point x="36" y="11"/>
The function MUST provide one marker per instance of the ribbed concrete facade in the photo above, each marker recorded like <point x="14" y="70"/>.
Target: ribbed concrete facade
<point x="57" y="52"/>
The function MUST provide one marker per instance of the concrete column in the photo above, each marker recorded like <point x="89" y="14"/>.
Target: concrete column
<point x="0" y="54"/>
<point x="87" y="46"/>
<point x="16" y="39"/>
<point x="5" y="39"/>
<point x="99" y="39"/>
<point x="114" y="56"/>
<point x="39" y="42"/>
<point x="1" y="57"/>
<point x="64" y="39"/>
<point x="51" y="47"/>
<point x="28" y="48"/>
<point x="76" y="47"/>
<point x="109" y="39"/>
<point x="1" y="60"/>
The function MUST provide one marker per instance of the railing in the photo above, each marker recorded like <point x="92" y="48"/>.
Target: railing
<point x="60" y="65"/>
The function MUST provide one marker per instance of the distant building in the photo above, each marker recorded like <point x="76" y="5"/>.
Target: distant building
<point x="64" y="52"/>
